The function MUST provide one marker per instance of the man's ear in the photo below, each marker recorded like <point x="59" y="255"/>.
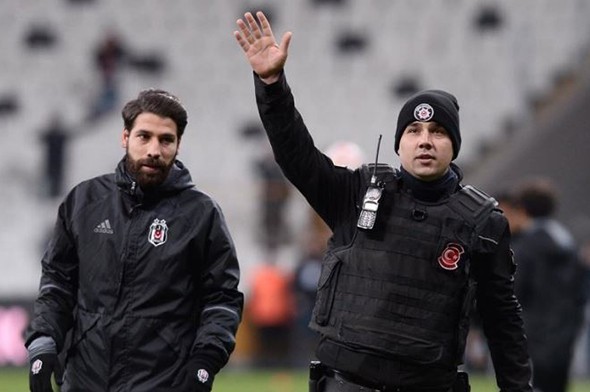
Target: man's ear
<point x="124" y="138"/>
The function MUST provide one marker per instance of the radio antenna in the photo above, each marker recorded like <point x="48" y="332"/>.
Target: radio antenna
<point x="373" y="175"/>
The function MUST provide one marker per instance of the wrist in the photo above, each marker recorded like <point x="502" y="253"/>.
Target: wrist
<point x="41" y="345"/>
<point x="270" y="79"/>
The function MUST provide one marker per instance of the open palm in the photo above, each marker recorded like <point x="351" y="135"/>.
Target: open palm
<point x="266" y="57"/>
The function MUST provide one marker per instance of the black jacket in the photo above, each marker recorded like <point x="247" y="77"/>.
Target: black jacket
<point x="334" y="193"/>
<point x="550" y="285"/>
<point x="146" y="284"/>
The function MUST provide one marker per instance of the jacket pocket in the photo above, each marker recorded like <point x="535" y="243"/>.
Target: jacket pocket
<point x="327" y="288"/>
<point x="86" y="321"/>
<point x="84" y="365"/>
<point x="393" y="343"/>
<point x="173" y="340"/>
<point x="161" y="344"/>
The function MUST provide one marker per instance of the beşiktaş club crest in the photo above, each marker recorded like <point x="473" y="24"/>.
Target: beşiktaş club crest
<point x="158" y="232"/>
<point x="449" y="258"/>
<point x="423" y="112"/>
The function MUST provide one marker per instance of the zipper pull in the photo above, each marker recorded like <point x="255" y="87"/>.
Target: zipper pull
<point x="133" y="186"/>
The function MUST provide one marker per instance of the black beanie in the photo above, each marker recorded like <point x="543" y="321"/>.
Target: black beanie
<point x="431" y="105"/>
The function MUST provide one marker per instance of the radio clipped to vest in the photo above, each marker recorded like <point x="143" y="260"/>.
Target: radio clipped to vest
<point x="368" y="214"/>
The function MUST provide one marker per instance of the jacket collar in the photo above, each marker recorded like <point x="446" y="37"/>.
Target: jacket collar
<point x="432" y="191"/>
<point x="178" y="179"/>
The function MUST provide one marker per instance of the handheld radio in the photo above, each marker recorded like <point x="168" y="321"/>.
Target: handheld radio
<point x="368" y="213"/>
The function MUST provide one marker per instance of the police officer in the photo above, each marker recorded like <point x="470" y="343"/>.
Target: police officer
<point x="411" y="248"/>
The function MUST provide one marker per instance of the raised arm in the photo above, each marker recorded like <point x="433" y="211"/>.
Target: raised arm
<point x="266" y="57"/>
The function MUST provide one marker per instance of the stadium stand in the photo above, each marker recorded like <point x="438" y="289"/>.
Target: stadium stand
<point x="496" y="72"/>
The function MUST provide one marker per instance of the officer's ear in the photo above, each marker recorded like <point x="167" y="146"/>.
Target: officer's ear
<point x="125" y="138"/>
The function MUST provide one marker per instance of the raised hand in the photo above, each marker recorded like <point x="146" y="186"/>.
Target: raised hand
<point x="266" y="57"/>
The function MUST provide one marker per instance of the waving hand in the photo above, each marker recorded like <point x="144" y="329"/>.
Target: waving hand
<point x="266" y="57"/>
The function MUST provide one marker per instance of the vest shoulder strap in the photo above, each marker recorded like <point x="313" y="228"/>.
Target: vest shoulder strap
<point x="383" y="172"/>
<point x="473" y="205"/>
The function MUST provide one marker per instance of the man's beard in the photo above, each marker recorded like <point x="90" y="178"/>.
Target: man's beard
<point x="148" y="180"/>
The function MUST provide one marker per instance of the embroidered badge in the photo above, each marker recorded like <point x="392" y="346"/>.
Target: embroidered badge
<point x="202" y="375"/>
<point x="449" y="259"/>
<point x="36" y="367"/>
<point x="423" y="112"/>
<point x="158" y="233"/>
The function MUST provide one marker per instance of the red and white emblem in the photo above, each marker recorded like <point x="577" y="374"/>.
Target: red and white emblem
<point x="158" y="232"/>
<point x="423" y="112"/>
<point x="449" y="259"/>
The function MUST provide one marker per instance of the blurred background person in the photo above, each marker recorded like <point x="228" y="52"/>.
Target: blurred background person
<point x="271" y="310"/>
<point x="549" y="281"/>
<point x="55" y="139"/>
<point x="305" y="283"/>
<point x="109" y="56"/>
<point x="275" y="192"/>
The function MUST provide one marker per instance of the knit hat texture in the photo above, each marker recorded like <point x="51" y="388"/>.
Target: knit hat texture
<point x="431" y="105"/>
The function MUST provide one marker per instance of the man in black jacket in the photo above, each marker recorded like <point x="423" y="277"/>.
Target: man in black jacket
<point x="139" y="281"/>
<point x="411" y="248"/>
<point x="550" y="282"/>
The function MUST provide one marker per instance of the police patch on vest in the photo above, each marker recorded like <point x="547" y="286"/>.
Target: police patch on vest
<point x="423" y="112"/>
<point x="449" y="259"/>
<point x="158" y="232"/>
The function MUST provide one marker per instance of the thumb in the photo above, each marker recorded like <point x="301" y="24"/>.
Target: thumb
<point x="285" y="41"/>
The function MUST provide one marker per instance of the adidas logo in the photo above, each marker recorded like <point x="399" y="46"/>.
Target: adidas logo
<point x="104" y="228"/>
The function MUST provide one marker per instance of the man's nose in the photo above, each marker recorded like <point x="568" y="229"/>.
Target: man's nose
<point x="425" y="139"/>
<point x="154" y="149"/>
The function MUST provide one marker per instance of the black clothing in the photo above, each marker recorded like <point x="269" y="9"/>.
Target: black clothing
<point x="336" y="194"/>
<point x="432" y="191"/>
<point x="550" y="285"/>
<point x="406" y="301"/>
<point x="146" y="282"/>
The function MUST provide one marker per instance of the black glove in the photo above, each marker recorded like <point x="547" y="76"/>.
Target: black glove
<point x="42" y="367"/>
<point x="200" y="377"/>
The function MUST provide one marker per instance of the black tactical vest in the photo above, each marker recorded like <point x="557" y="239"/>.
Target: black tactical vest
<point x="403" y="289"/>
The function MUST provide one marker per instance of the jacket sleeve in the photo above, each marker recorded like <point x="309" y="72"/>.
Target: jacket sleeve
<point x="499" y="309"/>
<point x="221" y="301"/>
<point x="58" y="286"/>
<point x="329" y="189"/>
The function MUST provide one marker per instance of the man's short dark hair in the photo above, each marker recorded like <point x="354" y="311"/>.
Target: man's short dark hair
<point x="538" y="197"/>
<point x="158" y="102"/>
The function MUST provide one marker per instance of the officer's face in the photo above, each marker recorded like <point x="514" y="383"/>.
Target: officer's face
<point x="152" y="146"/>
<point x="425" y="150"/>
